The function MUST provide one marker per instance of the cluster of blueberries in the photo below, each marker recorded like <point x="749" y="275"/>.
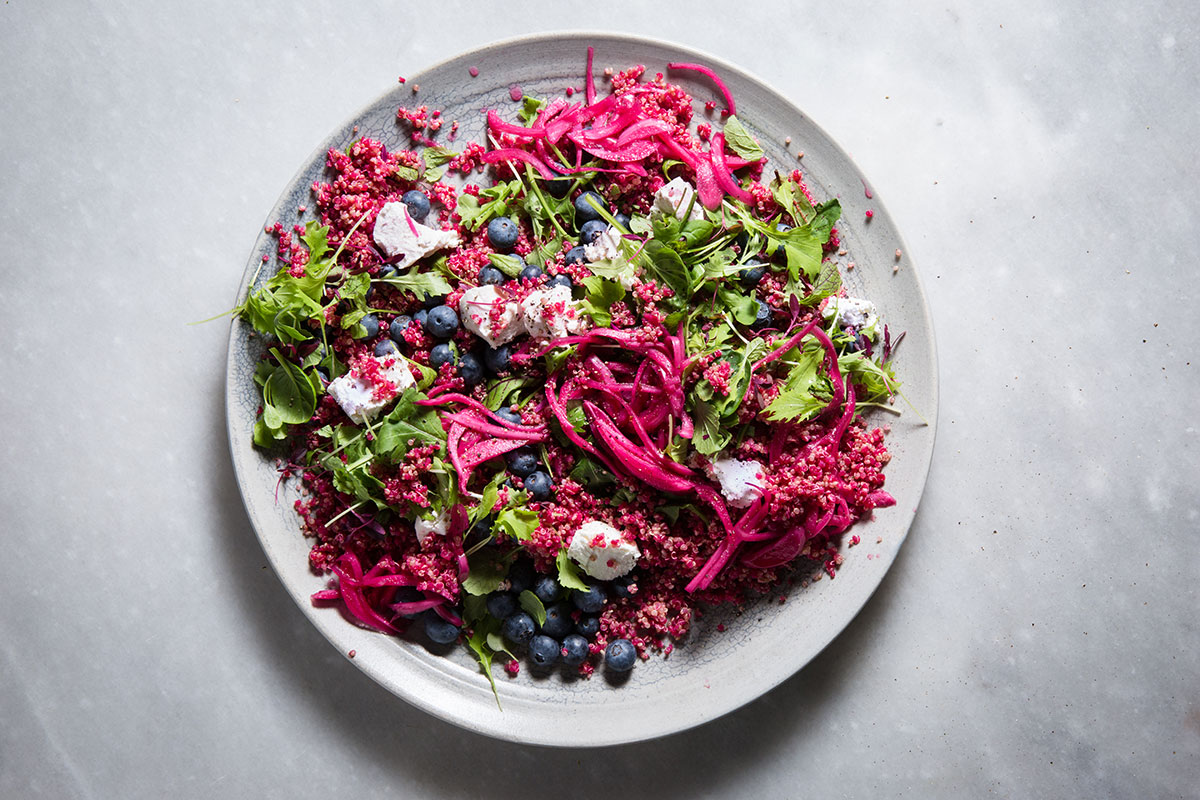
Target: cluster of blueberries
<point x="571" y="624"/>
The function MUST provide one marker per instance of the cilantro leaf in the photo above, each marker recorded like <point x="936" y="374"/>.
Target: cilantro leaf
<point x="519" y="523"/>
<point x="601" y="294"/>
<point x="568" y="573"/>
<point x="487" y="572"/>
<point x="709" y="438"/>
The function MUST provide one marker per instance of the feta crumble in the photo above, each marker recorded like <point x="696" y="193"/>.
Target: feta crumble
<point x="437" y="526"/>
<point x="475" y="310"/>
<point x="602" y="552"/>
<point x="551" y="313"/>
<point x="741" y="481"/>
<point x="356" y="395"/>
<point x="853" y="312"/>
<point x="397" y="232"/>
<point x="676" y="197"/>
<point x="607" y="247"/>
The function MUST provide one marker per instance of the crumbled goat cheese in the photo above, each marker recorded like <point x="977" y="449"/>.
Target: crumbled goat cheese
<point x="741" y="481"/>
<point x="475" y="310"/>
<point x="396" y="232"/>
<point x="602" y="552"/>
<point x="675" y="198"/>
<point x="437" y="526"/>
<point x="356" y="395"/>
<point x="551" y="313"/>
<point x="607" y="248"/>
<point x="853" y="312"/>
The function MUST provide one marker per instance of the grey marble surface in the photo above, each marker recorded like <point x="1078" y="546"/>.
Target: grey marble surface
<point x="1037" y="636"/>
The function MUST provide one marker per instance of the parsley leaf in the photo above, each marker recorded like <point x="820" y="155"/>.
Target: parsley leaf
<point x="803" y="394"/>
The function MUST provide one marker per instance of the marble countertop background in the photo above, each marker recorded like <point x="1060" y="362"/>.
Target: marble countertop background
<point x="1037" y="636"/>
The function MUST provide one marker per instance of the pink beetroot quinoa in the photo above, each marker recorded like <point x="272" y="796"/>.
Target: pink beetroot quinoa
<point x="803" y="477"/>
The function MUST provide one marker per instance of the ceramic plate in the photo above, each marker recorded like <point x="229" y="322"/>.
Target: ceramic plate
<point x="710" y="673"/>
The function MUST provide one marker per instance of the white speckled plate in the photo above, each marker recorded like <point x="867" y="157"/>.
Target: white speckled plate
<point x="711" y="673"/>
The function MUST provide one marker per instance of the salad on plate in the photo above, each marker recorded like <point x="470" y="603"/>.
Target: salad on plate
<point x="553" y="394"/>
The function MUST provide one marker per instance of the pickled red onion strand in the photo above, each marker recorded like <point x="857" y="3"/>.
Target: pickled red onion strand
<point x="712" y="76"/>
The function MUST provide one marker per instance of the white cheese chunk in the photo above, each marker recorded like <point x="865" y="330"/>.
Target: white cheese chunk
<point x="606" y="246"/>
<point x="741" y="481"/>
<point x="397" y="232"/>
<point x="551" y="313"/>
<point x="853" y="312"/>
<point x="475" y="311"/>
<point x="602" y="552"/>
<point x="676" y="197"/>
<point x="437" y="526"/>
<point x="357" y="396"/>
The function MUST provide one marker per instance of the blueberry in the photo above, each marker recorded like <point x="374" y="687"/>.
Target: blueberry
<point x="752" y="274"/>
<point x="591" y="230"/>
<point x="418" y="204"/>
<point x="547" y="588"/>
<point x="561" y="279"/>
<point x="531" y="273"/>
<point x="780" y="251"/>
<point x="543" y="651"/>
<point x="442" y="322"/>
<point x="558" y="621"/>
<point x="441" y="354"/>
<point x="588" y="627"/>
<point x="522" y="461"/>
<point x="559" y="187"/>
<point x="387" y="271"/>
<point x="508" y="415"/>
<point x="742" y="240"/>
<point x="386" y="347"/>
<point x="620" y="586"/>
<point x="584" y="210"/>
<point x="502" y="233"/>
<point x="398" y="326"/>
<point x="575" y="650"/>
<point x="438" y="630"/>
<point x="518" y="628"/>
<point x="490" y="276"/>
<point x="575" y="255"/>
<point x="324" y="375"/>
<point x="469" y="369"/>
<point x="591" y="601"/>
<point x="420" y="317"/>
<point x="502" y="605"/>
<point x="371" y="323"/>
<point x="540" y="486"/>
<point x="521" y="576"/>
<point x="623" y="222"/>
<point x="496" y="358"/>
<point x="620" y="655"/>
<point x="429" y="301"/>
<point x="763" y="318"/>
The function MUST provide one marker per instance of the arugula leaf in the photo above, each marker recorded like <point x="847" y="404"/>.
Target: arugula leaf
<point x="740" y="140"/>
<point x="428" y="283"/>
<point x="484" y="653"/>
<point x="507" y="264"/>
<point x="501" y="391"/>
<point x="568" y="573"/>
